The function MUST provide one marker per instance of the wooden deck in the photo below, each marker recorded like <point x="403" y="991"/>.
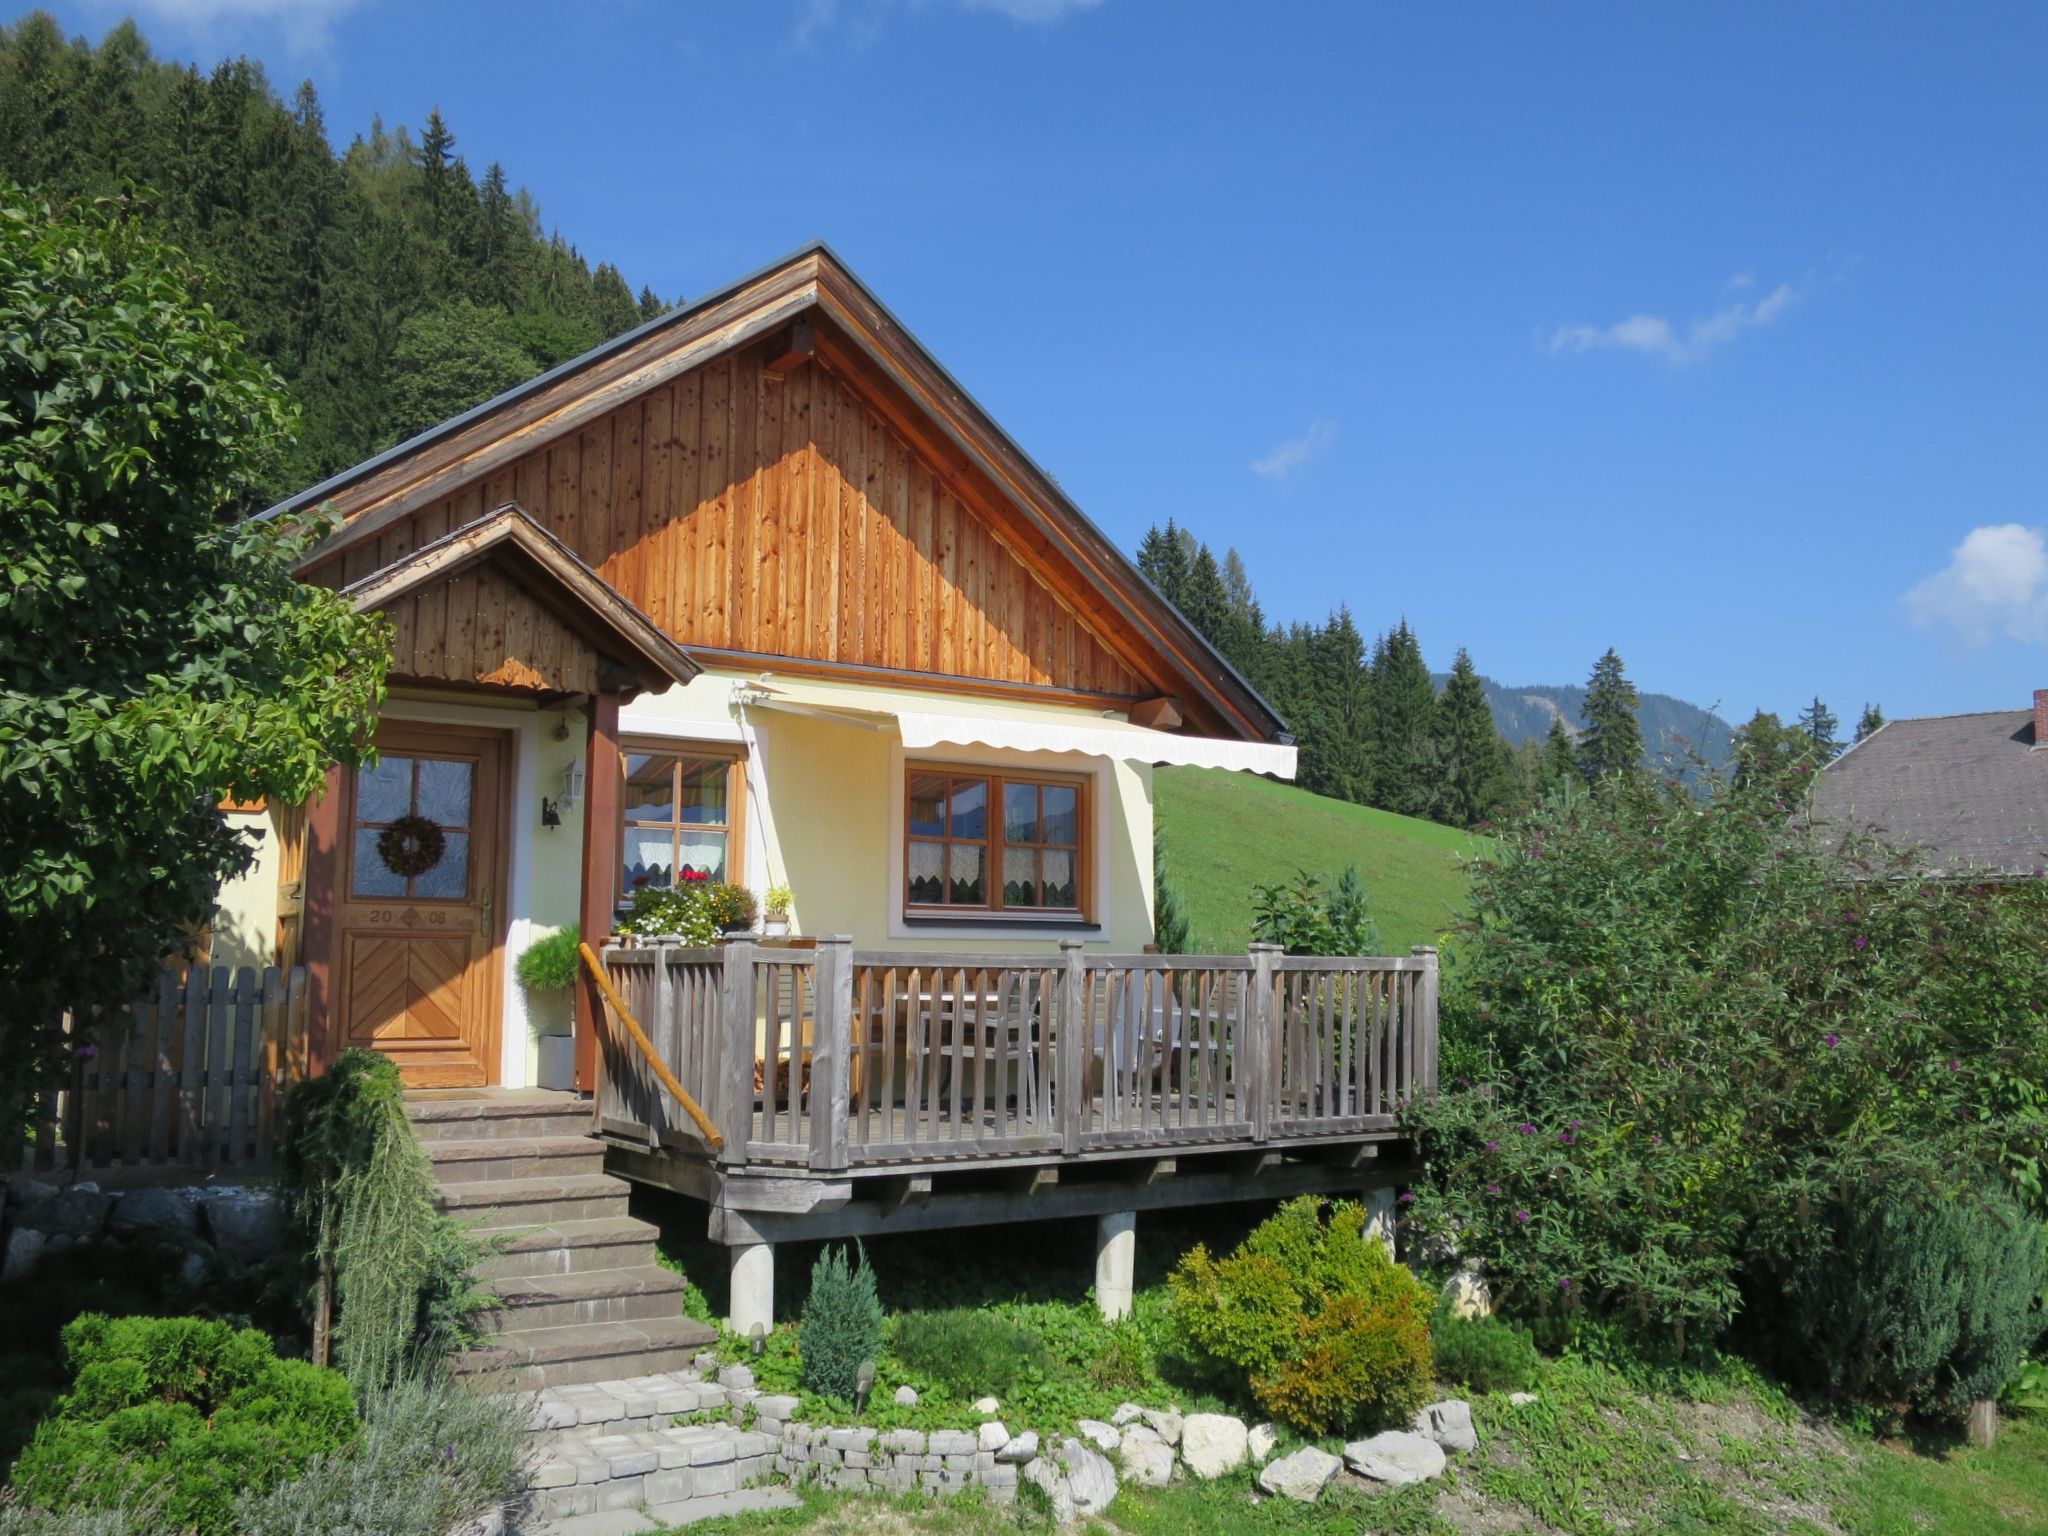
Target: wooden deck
<point x="829" y="1072"/>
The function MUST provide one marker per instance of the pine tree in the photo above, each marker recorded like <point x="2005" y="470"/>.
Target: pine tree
<point x="1171" y="931"/>
<point x="1342" y="692"/>
<point x="1818" y="722"/>
<point x="1473" y="768"/>
<point x="1870" y="721"/>
<point x="1403" y="725"/>
<point x="1613" y="739"/>
<point x="1560" y="764"/>
<point x="1204" y="602"/>
<point x="1163" y="560"/>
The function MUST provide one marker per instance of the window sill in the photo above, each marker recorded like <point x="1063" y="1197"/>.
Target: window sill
<point x="964" y="923"/>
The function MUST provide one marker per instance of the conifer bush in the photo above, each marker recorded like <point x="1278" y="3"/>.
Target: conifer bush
<point x="842" y="1323"/>
<point x="1915" y="1302"/>
<point x="1311" y="1319"/>
<point x="1483" y="1354"/>
<point x="179" y="1415"/>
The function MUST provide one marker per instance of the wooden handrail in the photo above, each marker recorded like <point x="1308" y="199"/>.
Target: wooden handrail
<point x="661" y="1071"/>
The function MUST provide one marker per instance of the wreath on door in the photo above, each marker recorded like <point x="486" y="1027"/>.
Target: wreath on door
<point x="411" y="845"/>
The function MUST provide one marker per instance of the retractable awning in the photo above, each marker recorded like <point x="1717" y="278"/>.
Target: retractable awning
<point x="925" y="722"/>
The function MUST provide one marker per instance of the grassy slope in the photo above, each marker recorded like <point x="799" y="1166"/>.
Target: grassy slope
<point x="1227" y="832"/>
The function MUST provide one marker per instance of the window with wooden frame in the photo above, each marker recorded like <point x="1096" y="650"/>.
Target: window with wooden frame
<point x="979" y="841"/>
<point x="680" y="815"/>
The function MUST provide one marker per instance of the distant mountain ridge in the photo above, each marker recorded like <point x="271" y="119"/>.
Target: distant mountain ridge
<point x="1669" y="724"/>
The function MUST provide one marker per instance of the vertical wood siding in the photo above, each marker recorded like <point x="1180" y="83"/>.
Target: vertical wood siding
<point x="782" y="517"/>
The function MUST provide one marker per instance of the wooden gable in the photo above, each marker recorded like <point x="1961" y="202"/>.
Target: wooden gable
<point x="497" y="603"/>
<point x="781" y="477"/>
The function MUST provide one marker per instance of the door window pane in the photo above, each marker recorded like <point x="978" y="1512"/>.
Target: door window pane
<point x="444" y="791"/>
<point x="448" y="880"/>
<point x="703" y="853"/>
<point x="370" y="875"/>
<point x="384" y="790"/>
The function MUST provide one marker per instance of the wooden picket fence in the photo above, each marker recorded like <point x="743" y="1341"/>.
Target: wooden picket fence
<point x="191" y="1078"/>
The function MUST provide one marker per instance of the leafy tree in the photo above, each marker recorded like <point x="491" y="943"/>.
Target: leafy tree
<point x="1769" y="752"/>
<point x="1403" y="724"/>
<point x="1472" y="760"/>
<point x="1818" y="724"/>
<point x="448" y="360"/>
<point x="1869" y="722"/>
<point x="155" y="653"/>
<point x="1613" y="740"/>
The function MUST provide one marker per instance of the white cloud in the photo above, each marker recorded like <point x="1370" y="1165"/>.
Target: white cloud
<point x="1654" y="336"/>
<point x="1995" y="583"/>
<point x="864" y="22"/>
<point x="1039" y="11"/>
<point x="306" y="25"/>
<point x="1291" y="453"/>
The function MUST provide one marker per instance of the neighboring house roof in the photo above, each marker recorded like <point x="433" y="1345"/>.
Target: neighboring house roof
<point x="1971" y="790"/>
<point x="814" y="300"/>
<point x="547" y="571"/>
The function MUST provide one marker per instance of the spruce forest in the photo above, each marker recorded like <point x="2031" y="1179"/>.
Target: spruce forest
<point x="389" y="285"/>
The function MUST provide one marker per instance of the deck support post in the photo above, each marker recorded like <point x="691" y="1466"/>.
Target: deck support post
<point x="1262" y="1039"/>
<point x="1116" y="1263"/>
<point x="753" y="1289"/>
<point x="1379" y="1216"/>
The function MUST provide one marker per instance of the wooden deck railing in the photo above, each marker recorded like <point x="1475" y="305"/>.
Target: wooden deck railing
<point x="831" y="1058"/>
<point x="190" y="1078"/>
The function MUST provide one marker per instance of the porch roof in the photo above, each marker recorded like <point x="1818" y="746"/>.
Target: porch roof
<point x="926" y="720"/>
<point x="630" y="653"/>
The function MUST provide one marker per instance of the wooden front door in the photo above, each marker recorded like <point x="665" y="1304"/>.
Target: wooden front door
<point x="420" y="907"/>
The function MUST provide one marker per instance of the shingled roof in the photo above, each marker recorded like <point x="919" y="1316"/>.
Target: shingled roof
<point x="1969" y="789"/>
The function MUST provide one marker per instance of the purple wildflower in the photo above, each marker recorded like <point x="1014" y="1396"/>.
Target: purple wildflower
<point x="1407" y="1197"/>
<point x="1525" y="1129"/>
<point x="1493" y="1146"/>
<point x="1577" y="1123"/>
<point x="1955" y="1066"/>
<point x="1565" y="1283"/>
<point x="1493" y="1189"/>
<point x="1566" y="1137"/>
<point x="1833" y="1041"/>
<point x="1522" y="1217"/>
<point x="1862" y="942"/>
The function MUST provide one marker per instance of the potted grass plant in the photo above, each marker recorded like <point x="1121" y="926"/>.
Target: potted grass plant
<point x="775" y="911"/>
<point x="547" y="969"/>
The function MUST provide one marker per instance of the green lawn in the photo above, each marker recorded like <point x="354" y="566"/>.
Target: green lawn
<point x="1227" y="832"/>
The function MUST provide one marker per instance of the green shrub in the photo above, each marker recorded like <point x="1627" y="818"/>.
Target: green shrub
<point x="1303" y="920"/>
<point x="363" y="1196"/>
<point x="179" y="1415"/>
<point x="732" y="907"/>
<point x="660" y="910"/>
<point x="1483" y="1354"/>
<point x="968" y="1349"/>
<point x="552" y="963"/>
<point x="1910" y="1301"/>
<point x="432" y="1455"/>
<point x="1312" y="1318"/>
<point x="841" y="1326"/>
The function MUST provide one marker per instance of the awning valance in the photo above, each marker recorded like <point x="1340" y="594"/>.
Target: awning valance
<point x="926" y="722"/>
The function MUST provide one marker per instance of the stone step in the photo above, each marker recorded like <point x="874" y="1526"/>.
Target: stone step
<point x="514" y="1157"/>
<point x="527" y="1302"/>
<point x="592" y="1473"/>
<point x="471" y="1116"/>
<point x="497" y="1204"/>
<point x="572" y="1247"/>
<point x="661" y="1517"/>
<point x="555" y="1357"/>
<point x="613" y="1407"/>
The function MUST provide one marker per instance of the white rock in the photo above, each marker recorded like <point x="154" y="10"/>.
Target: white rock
<point x="1090" y="1479"/>
<point x="987" y="1405"/>
<point x="1449" y="1424"/>
<point x="1125" y="1413"/>
<point x="1468" y="1295"/>
<point x="1020" y="1449"/>
<point x="1521" y="1399"/>
<point x="1147" y="1460"/>
<point x="906" y="1397"/>
<point x="24" y="1246"/>
<point x="993" y="1435"/>
<point x="1302" y="1476"/>
<point x="1212" y="1444"/>
<point x="1396" y="1456"/>
<point x="1043" y="1473"/>
<point x="1259" y="1441"/>
<point x="1104" y="1437"/>
<point x="1165" y="1421"/>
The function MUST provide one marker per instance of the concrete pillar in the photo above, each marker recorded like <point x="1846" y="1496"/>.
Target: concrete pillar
<point x="753" y="1289"/>
<point x="1116" y="1261"/>
<point x="1379" y="1216"/>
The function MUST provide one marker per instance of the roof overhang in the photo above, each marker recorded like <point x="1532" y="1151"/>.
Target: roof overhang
<point x="548" y="570"/>
<point x="860" y="336"/>
<point x="925" y="722"/>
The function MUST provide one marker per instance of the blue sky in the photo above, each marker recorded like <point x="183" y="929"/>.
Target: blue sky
<point x="1715" y="333"/>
